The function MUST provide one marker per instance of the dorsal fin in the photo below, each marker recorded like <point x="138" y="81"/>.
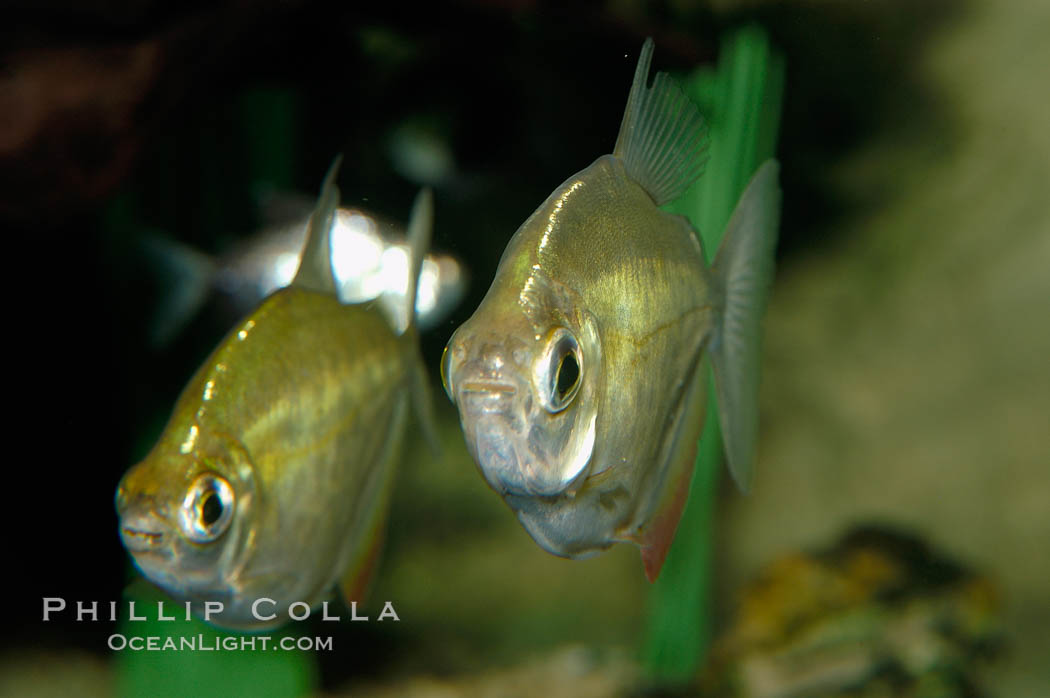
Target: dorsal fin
<point x="315" y="263"/>
<point x="420" y="225"/>
<point x="662" y="139"/>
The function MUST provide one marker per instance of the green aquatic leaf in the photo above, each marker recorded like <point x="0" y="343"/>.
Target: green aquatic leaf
<point x="740" y="99"/>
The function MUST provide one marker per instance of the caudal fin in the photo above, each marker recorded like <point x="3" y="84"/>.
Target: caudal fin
<point x="743" y="269"/>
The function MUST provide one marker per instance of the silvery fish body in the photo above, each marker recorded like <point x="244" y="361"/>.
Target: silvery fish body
<point x="272" y="478"/>
<point x="580" y="380"/>
<point x="369" y="262"/>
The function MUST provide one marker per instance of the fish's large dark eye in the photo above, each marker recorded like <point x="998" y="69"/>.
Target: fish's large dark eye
<point x="211" y="509"/>
<point x="568" y="376"/>
<point x="207" y="508"/>
<point x="560" y="371"/>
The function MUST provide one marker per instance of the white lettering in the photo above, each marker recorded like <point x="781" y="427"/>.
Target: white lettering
<point x="131" y="613"/>
<point x="388" y="612"/>
<point x="160" y="612"/>
<point x="353" y="612"/>
<point x="324" y="612"/>
<point x="305" y="607"/>
<point x="211" y="607"/>
<point x="82" y="610"/>
<point x="117" y="642"/>
<point x="255" y="609"/>
<point x="50" y="605"/>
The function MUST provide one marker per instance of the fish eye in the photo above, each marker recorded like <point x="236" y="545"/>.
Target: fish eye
<point x="207" y="508"/>
<point x="561" y="370"/>
<point x="568" y="376"/>
<point x="446" y="360"/>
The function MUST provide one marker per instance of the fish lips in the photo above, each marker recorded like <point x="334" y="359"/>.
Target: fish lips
<point x="150" y="544"/>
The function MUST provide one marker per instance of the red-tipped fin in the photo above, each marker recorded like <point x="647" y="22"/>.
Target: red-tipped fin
<point x="357" y="579"/>
<point x="656" y="535"/>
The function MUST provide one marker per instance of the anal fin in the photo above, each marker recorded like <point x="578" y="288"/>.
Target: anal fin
<point x="657" y="534"/>
<point x="358" y="577"/>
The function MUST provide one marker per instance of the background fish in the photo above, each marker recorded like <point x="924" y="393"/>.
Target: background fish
<point x="272" y="478"/>
<point x="579" y="379"/>
<point x="369" y="261"/>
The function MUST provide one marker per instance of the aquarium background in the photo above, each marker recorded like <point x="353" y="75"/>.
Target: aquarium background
<point x="906" y="376"/>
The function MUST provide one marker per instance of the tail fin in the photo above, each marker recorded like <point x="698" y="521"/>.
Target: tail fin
<point x="187" y="276"/>
<point x="743" y="269"/>
<point x="315" y="264"/>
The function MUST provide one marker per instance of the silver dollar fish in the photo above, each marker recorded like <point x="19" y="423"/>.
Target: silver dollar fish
<point x="580" y="379"/>
<point x="272" y="478"/>
<point x="369" y="261"/>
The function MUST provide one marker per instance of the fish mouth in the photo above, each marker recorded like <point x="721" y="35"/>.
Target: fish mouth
<point x="487" y="397"/>
<point x="488" y="386"/>
<point x="142" y="535"/>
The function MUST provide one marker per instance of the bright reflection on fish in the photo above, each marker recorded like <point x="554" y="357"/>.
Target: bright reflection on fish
<point x="580" y="379"/>
<point x="273" y="476"/>
<point x="369" y="262"/>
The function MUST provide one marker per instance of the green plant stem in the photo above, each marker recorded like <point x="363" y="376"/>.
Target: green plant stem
<point x="741" y="99"/>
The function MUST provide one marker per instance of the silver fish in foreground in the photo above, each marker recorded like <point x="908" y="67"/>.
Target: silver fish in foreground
<point x="580" y="380"/>
<point x="273" y="476"/>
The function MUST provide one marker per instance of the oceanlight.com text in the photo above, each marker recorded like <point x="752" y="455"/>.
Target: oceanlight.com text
<point x="119" y="642"/>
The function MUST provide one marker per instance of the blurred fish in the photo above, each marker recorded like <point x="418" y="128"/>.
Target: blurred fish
<point x="272" y="478"/>
<point x="579" y="379"/>
<point x="369" y="260"/>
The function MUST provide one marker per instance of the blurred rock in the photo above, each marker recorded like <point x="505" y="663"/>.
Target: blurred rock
<point x="906" y="375"/>
<point x="880" y="613"/>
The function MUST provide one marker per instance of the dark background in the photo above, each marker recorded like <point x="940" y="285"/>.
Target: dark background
<point x="121" y="119"/>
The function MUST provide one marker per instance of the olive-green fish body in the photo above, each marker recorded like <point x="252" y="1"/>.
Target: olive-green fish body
<point x="580" y="379"/>
<point x="641" y="334"/>
<point x="272" y="478"/>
